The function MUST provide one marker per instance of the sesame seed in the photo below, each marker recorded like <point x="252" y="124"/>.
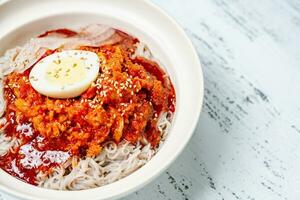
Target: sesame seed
<point x="57" y="61"/>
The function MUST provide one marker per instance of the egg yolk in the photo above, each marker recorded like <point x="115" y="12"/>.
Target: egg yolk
<point x="65" y="71"/>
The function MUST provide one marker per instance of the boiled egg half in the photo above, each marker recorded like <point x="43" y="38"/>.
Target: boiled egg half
<point x="65" y="74"/>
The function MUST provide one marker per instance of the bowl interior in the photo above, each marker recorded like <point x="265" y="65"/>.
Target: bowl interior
<point x="150" y="25"/>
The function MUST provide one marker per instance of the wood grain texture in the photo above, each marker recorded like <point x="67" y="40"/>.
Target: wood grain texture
<point x="246" y="144"/>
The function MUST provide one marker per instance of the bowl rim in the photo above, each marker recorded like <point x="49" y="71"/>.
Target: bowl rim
<point x="193" y="123"/>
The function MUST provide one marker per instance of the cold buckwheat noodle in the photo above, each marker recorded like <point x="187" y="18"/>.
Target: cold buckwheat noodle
<point x="92" y="162"/>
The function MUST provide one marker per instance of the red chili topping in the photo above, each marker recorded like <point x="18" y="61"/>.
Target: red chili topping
<point x="124" y="103"/>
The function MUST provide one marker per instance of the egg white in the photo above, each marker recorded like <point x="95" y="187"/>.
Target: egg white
<point x="65" y="74"/>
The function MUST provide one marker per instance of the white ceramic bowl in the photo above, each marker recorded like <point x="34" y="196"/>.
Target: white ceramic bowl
<point x="20" y="20"/>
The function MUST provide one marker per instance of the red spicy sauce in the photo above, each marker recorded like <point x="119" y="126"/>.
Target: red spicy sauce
<point x="124" y="103"/>
<point x="63" y="31"/>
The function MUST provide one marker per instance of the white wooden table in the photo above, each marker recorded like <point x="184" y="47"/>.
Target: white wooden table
<point x="247" y="142"/>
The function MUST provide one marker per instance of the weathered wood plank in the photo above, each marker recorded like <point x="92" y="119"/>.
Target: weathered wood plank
<point x="245" y="146"/>
<point x="246" y="142"/>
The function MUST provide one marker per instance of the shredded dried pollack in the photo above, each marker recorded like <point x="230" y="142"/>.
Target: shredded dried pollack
<point x="115" y="161"/>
